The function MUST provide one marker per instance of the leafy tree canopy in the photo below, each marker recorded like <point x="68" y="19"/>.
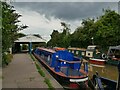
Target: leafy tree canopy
<point x="105" y="31"/>
<point x="10" y="27"/>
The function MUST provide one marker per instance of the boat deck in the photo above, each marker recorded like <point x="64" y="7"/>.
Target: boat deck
<point x="68" y="71"/>
<point x="71" y="72"/>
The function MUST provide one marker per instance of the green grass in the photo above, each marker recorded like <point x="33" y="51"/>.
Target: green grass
<point x="1" y="77"/>
<point x="32" y="57"/>
<point x="38" y="67"/>
<point x="40" y="70"/>
<point x="47" y="81"/>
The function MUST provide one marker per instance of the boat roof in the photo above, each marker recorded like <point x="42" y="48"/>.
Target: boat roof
<point x="92" y="46"/>
<point x="73" y="48"/>
<point x="115" y="47"/>
<point x="48" y="50"/>
<point x="58" y="48"/>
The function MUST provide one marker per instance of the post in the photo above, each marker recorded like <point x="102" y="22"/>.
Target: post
<point x="30" y="47"/>
<point x="92" y="41"/>
<point x="118" y="83"/>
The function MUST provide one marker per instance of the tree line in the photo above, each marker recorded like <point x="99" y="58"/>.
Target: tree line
<point x="103" y="31"/>
<point x="9" y="28"/>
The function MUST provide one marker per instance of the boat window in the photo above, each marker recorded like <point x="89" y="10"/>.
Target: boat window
<point x="64" y="62"/>
<point x="49" y="58"/>
<point x="72" y="51"/>
<point x="91" y="48"/>
<point x="112" y="50"/>
<point x="117" y="53"/>
<point x="77" y="52"/>
<point x="56" y="56"/>
<point x="83" y="53"/>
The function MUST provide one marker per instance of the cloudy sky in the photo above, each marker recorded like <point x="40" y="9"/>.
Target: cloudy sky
<point x="44" y="17"/>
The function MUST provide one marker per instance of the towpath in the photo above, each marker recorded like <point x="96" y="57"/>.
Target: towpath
<point x="22" y="73"/>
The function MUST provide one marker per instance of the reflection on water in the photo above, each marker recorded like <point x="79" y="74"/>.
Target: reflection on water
<point x="107" y="71"/>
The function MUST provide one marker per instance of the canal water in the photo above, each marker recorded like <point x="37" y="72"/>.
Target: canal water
<point x="107" y="71"/>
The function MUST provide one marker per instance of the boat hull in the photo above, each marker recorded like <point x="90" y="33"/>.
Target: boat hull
<point x="97" y="61"/>
<point x="65" y="81"/>
<point x="112" y="62"/>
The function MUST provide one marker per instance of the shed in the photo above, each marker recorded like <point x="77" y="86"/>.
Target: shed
<point x="28" y="39"/>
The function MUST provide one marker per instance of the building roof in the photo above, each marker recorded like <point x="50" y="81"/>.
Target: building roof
<point x="30" y="38"/>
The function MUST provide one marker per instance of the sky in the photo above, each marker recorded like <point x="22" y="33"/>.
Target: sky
<point x="44" y="17"/>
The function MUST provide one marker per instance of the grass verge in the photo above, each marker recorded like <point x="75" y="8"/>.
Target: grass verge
<point x="46" y="80"/>
<point x="38" y="67"/>
<point x="40" y="70"/>
<point x="32" y="57"/>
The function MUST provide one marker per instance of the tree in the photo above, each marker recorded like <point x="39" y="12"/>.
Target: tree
<point x="105" y="31"/>
<point x="60" y="39"/>
<point x="54" y="41"/>
<point x="108" y="32"/>
<point x="10" y="27"/>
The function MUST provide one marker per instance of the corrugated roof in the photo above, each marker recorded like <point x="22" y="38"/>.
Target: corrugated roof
<point x="30" y="38"/>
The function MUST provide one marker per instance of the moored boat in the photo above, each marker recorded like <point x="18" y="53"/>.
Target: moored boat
<point x="97" y="61"/>
<point x="102" y="83"/>
<point x="64" y="66"/>
<point x="113" y="55"/>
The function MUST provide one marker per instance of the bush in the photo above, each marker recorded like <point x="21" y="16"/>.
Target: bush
<point x="6" y="58"/>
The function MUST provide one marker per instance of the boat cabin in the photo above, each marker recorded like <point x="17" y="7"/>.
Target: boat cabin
<point x="62" y="61"/>
<point x="114" y="52"/>
<point x="77" y="51"/>
<point x="93" y="51"/>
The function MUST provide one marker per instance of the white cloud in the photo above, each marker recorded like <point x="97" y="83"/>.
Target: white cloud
<point x="39" y="24"/>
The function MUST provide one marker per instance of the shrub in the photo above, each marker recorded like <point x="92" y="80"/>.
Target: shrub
<point x="6" y="58"/>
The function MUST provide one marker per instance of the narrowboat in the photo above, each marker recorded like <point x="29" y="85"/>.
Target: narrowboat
<point x="94" y="51"/>
<point x="95" y="56"/>
<point x="97" y="61"/>
<point x="113" y="55"/>
<point x="77" y="51"/>
<point x="62" y="64"/>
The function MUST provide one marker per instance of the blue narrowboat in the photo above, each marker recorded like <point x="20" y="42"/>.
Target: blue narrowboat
<point x="64" y="66"/>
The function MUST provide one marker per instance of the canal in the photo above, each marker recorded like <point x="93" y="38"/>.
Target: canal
<point x="107" y="71"/>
